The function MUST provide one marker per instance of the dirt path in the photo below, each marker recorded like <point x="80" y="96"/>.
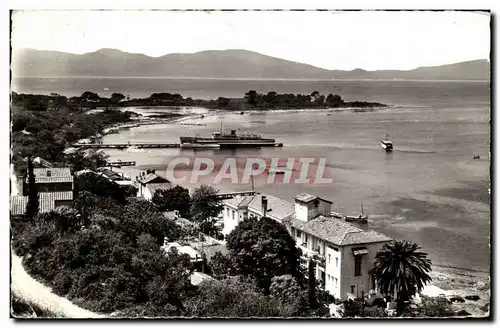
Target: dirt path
<point x="33" y="292"/>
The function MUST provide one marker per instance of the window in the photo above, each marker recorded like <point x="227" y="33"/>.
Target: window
<point x="234" y="215"/>
<point x="329" y="277"/>
<point x="357" y="266"/>
<point x="337" y="262"/>
<point x="336" y="282"/>
<point x="329" y="258"/>
<point x="299" y="233"/>
<point x="353" y="288"/>
<point x="306" y="238"/>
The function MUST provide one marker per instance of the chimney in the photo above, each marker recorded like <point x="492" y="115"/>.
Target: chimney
<point x="264" y="206"/>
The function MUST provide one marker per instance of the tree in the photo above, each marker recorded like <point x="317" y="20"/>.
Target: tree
<point x="435" y="307"/>
<point x="89" y="96"/>
<point x="221" y="265"/>
<point x="117" y="97"/>
<point x="251" y="97"/>
<point x="33" y="201"/>
<point x="90" y="160"/>
<point x="63" y="220"/>
<point x="99" y="186"/>
<point x="176" y="198"/>
<point x="233" y="298"/>
<point x="205" y="207"/>
<point x="400" y="268"/>
<point x="263" y="249"/>
<point x="311" y="282"/>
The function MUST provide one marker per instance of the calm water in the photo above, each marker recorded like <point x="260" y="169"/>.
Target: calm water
<point x="428" y="190"/>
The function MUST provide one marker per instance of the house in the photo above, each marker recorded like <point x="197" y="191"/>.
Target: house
<point x="343" y="254"/>
<point x="239" y="208"/>
<point x="193" y="254"/>
<point x="53" y="179"/>
<point x="47" y="201"/>
<point x="55" y="189"/>
<point x="149" y="183"/>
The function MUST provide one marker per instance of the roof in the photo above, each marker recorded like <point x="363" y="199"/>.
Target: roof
<point x="58" y="195"/>
<point x="40" y="161"/>
<point x="211" y="250"/>
<point x="277" y="207"/>
<point x="152" y="178"/>
<point x="306" y="198"/>
<point x="46" y="201"/>
<point x="337" y="231"/>
<point x="153" y="187"/>
<point x="198" y="277"/>
<point x="52" y="175"/>
<point x="193" y="254"/>
<point x="18" y="204"/>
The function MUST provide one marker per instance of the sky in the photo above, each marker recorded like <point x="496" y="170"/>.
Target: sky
<point x="369" y="40"/>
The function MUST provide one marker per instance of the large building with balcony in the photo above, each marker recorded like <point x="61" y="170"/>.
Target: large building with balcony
<point x="342" y="253"/>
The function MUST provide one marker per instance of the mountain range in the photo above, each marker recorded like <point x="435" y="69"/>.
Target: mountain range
<point x="216" y="64"/>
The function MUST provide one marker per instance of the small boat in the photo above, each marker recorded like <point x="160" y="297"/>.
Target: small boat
<point x="202" y="116"/>
<point x="362" y="218"/>
<point x="386" y="144"/>
<point x="477" y="157"/>
<point x="336" y="215"/>
<point x="241" y="113"/>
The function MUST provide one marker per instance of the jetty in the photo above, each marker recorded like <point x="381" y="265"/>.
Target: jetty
<point x="229" y="195"/>
<point x="168" y="145"/>
<point x="120" y="163"/>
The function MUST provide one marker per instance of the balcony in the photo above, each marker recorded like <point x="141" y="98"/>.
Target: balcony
<point x="312" y="255"/>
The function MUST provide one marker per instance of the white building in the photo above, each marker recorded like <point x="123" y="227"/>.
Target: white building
<point x="149" y="183"/>
<point x="239" y="208"/>
<point x="193" y="254"/>
<point x="343" y="254"/>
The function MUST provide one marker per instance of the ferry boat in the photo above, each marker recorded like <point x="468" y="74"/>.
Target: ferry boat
<point x="231" y="140"/>
<point x="386" y="144"/>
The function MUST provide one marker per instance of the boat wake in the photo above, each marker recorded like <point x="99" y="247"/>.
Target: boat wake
<point x="415" y="151"/>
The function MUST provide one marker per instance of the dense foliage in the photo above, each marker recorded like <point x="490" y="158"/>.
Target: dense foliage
<point x="112" y="264"/>
<point x="47" y="133"/>
<point x="205" y="207"/>
<point x="176" y="198"/>
<point x="100" y="186"/>
<point x="400" y="268"/>
<point x="263" y="249"/>
<point x="314" y="100"/>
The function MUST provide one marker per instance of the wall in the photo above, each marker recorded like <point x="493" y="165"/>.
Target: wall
<point x="47" y="187"/>
<point x="229" y="222"/>
<point x="332" y="252"/>
<point x="363" y="282"/>
<point x="301" y="211"/>
<point x="308" y="211"/>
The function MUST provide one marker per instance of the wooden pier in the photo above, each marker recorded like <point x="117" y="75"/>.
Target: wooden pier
<point x="230" y="195"/>
<point x="123" y="146"/>
<point x="120" y="163"/>
<point x="169" y="145"/>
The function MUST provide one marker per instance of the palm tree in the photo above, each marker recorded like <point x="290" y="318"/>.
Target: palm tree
<point x="400" y="267"/>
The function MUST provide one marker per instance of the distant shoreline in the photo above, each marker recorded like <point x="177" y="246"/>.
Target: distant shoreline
<point x="243" y="78"/>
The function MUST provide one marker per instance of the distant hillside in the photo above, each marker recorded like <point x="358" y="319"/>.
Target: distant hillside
<point x="215" y="64"/>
